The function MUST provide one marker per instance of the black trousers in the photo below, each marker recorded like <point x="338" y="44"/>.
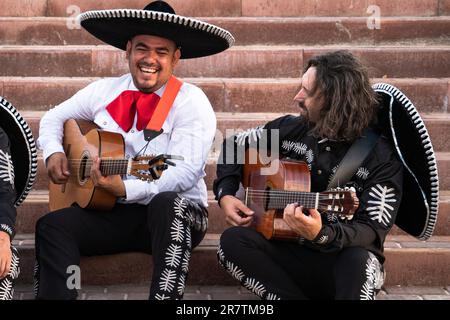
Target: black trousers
<point x="284" y="270"/>
<point x="7" y="283"/>
<point x="168" y="229"/>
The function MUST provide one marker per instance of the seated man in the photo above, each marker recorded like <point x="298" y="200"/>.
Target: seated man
<point x="18" y="166"/>
<point x="333" y="258"/>
<point x="167" y="217"/>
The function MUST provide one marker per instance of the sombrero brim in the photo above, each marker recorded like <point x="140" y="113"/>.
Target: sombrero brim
<point x="196" y="38"/>
<point x="400" y="120"/>
<point x="23" y="149"/>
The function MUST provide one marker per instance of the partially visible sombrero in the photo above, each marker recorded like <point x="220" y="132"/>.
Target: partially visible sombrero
<point x="23" y="149"/>
<point x="196" y="38"/>
<point x="400" y="120"/>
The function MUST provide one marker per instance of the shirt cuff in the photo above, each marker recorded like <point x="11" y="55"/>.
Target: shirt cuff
<point x="49" y="150"/>
<point x="226" y="187"/>
<point x="222" y="193"/>
<point x="8" y="229"/>
<point x="324" y="237"/>
<point x="137" y="193"/>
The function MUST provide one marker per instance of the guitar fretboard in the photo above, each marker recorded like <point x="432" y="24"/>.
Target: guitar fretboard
<point x="108" y="167"/>
<point x="279" y="199"/>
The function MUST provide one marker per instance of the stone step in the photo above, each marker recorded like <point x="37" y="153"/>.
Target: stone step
<point x="443" y="159"/>
<point x="225" y="8"/>
<point x="237" y="62"/>
<point x="438" y="124"/>
<point x="225" y="94"/>
<point x="275" y="31"/>
<point x="36" y="206"/>
<point x="229" y="123"/>
<point x="408" y="263"/>
<point x="236" y="292"/>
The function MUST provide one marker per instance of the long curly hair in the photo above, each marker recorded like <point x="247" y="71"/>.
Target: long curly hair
<point x="350" y="103"/>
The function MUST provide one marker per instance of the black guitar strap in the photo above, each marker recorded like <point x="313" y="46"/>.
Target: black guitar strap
<point x="358" y="151"/>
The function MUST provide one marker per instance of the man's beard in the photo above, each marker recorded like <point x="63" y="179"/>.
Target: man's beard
<point x="303" y="111"/>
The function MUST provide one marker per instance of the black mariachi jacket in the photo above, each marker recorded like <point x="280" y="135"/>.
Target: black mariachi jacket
<point x="7" y="190"/>
<point x="378" y="181"/>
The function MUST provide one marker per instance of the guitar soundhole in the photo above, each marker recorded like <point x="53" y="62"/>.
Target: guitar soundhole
<point x="84" y="169"/>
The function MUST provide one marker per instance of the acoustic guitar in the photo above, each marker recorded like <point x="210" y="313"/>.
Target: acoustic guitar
<point x="83" y="140"/>
<point x="268" y="194"/>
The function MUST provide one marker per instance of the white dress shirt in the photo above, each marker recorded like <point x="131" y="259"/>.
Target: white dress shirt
<point x="189" y="131"/>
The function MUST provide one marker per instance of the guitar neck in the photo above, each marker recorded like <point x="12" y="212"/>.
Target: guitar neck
<point x="110" y="167"/>
<point x="279" y="199"/>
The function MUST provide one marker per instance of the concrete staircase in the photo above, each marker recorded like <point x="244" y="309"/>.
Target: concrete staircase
<point x="45" y="59"/>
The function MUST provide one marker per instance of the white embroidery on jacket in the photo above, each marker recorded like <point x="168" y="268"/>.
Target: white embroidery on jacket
<point x="381" y="209"/>
<point x="253" y="134"/>
<point x="362" y="173"/>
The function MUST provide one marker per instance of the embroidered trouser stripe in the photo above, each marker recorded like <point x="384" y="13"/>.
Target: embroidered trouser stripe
<point x="285" y="270"/>
<point x="241" y="254"/>
<point x="375" y="276"/>
<point x="7" y="283"/>
<point x="166" y="229"/>
<point x="178" y="219"/>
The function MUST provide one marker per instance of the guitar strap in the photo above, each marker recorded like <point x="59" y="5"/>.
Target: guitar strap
<point x="154" y="126"/>
<point x="357" y="153"/>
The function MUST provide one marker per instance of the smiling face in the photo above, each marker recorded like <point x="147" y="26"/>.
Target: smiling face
<point x="151" y="61"/>
<point x="309" y="98"/>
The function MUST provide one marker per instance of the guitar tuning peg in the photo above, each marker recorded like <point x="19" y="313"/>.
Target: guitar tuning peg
<point x="352" y="189"/>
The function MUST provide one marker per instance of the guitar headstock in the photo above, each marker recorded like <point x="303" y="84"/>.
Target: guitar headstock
<point x="150" y="167"/>
<point x="342" y="202"/>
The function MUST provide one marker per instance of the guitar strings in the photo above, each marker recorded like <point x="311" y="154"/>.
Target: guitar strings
<point x="335" y="206"/>
<point x="311" y="195"/>
<point x="280" y="198"/>
<point x="290" y="196"/>
<point x="102" y="159"/>
<point x="288" y="192"/>
<point x="277" y="193"/>
<point x="306" y="193"/>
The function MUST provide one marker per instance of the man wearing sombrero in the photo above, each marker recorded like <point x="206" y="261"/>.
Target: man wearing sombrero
<point x="18" y="166"/>
<point x="349" y="134"/>
<point x="167" y="217"/>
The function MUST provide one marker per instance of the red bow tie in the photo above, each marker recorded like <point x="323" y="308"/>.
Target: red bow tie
<point x="123" y="108"/>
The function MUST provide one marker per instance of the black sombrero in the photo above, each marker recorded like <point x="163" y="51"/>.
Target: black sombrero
<point x="196" y="38"/>
<point x="400" y="120"/>
<point x="23" y="149"/>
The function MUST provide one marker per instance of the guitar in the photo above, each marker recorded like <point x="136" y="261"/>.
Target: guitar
<point x="268" y="195"/>
<point x="82" y="140"/>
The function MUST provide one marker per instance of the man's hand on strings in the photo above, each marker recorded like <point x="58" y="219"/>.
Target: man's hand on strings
<point x="306" y="226"/>
<point x="58" y="168"/>
<point x="236" y="212"/>
<point x="113" y="184"/>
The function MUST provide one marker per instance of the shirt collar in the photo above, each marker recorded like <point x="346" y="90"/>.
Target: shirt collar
<point x="159" y="92"/>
